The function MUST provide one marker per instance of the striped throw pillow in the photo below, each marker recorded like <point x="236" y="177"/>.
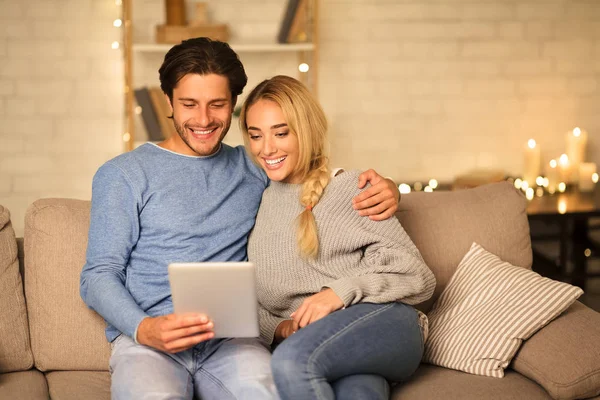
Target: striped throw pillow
<point x="486" y="311"/>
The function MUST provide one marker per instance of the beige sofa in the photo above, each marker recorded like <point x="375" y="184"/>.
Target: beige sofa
<point x="53" y="346"/>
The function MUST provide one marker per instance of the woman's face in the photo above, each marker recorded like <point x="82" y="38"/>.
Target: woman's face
<point x="271" y="142"/>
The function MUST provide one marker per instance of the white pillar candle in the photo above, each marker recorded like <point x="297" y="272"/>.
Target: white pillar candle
<point x="576" y="146"/>
<point x="552" y="176"/>
<point x="531" y="169"/>
<point x="586" y="173"/>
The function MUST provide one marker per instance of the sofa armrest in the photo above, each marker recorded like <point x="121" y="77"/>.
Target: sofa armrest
<point x="564" y="356"/>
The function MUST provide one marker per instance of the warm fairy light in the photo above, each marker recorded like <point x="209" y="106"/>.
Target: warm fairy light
<point x="529" y="193"/>
<point x="433" y="183"/>
<point x="126" y="137"/>
<point x="539" y="181"/>
<point x="303" y="67"/>
<point x="562" y="206"/>
<point x="518" y="183"/>
<point x="118" y="2"/>
<point x="564" y="160"/>
<point x="428" y="189"/>
<point x="539" y="192"/>
<point x="562" y="187"/>
<point x="117" y="23"/>
<point x="587" y="252"/>
<point x="546" y="182"/>
<point x="115" y="45"/>
<point x="404" y="188"/>
<point x="138" y="110"/>
<point x="576" y="132"/>
<point x="595" y="177"/>
<point x="553" y="164"/>
<point x="531" y="143"/>
<point x="418" y="186"/>
<point x="524" y="185"/>
<point x="551" y="190"/>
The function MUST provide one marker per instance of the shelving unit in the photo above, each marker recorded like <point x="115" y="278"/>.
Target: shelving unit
<point x="306" y="53"/>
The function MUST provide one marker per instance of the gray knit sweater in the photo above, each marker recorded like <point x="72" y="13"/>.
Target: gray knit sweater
<point x="361" y="260"/>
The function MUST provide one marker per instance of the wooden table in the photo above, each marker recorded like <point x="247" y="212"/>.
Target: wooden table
<point x="571" y="211"/>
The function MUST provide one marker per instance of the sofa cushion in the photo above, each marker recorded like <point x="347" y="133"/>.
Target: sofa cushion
<point x="65" y="334"/>
<point x="486" y="311"/>
<point x="79" y="385"/>
<point x="565" y="361"/>
<point x="23" y="385"/>
<point x="443" y="225"/>
<point x="431" y="382"/>
<point x="15" y="350"/>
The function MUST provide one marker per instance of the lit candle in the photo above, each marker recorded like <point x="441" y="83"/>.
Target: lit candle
<point x="552" y="176"/>
<point x="564" y="165"/>
<point x="586" y="176"/>
<point x="576" y="144"/>
<point x="532" y="162"/>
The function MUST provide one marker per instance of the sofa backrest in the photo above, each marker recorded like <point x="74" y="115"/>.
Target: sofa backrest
<point x="443" y="225"/>
<point x="65" y="334"/>
<point x="15" y="350"/>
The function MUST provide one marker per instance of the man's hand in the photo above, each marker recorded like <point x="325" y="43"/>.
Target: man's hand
<point x="316" y="307"/>
<point x="380" y="201"/>
<point x="173" y="333"/>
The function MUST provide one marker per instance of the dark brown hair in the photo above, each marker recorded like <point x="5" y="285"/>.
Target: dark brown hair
<point x="202" y="56"/>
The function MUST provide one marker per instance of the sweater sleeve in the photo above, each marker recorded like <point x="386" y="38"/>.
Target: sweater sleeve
<point x="114" y="230"/>
<point x="268" y="324"/>
<point x="391" y="267"/>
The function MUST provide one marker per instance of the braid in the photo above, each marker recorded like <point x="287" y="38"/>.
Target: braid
<point x="312" y="190"/>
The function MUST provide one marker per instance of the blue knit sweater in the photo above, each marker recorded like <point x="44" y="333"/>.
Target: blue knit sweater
<point x="151" y="207"/>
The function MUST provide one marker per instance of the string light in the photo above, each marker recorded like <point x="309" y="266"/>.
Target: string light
<point x="518" y="183"/>
<point x="119" y="2"/>
<point x="404" y="188"/>
<point x="126" y="137"/>
<point x="595" y="177"/>
<point x="562" y="187"/>
<point x="304" y="67"/>
<point x="428" y="189"/>
<point x="529" y="193"/>
<point x="433" y="183"/>
<point x="418" y="186"/>
<point x="539" y="181"/>
<point x="115" y="45"/>
<point x="117" y="23"/>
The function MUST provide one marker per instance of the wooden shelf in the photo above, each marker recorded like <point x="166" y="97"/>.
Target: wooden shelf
<point x="237" y="47"/>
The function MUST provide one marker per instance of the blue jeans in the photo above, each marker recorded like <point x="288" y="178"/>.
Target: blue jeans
<point x="218" y="369"/>
<point x="350" y="354"/>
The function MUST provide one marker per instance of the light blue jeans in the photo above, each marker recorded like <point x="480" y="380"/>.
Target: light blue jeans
<point x="350" y="354"/>
<point x="218" y="369"/>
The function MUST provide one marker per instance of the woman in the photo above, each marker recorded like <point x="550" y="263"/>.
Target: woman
<point x="335" y="288"/>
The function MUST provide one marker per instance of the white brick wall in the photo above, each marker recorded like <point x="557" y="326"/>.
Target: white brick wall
<point x="61" y="89"/>
<point x="413" y="88"/>
<point x="457" y="84"/>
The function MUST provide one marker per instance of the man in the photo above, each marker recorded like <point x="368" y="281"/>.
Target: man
<point x="189" y="198"/>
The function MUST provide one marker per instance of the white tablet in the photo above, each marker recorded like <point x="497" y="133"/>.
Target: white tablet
<point x="225" y="291"/>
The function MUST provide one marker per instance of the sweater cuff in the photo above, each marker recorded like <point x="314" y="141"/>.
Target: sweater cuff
<point x="346" y="290"/>
<point x="268" y="327"/>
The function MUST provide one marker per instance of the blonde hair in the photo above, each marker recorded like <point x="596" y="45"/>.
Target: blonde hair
<point x="306" y="120"/>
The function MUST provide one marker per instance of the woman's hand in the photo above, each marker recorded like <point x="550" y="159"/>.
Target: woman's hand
<point x="316" y="307"/>
<point x="284" y="330"/>
<point x="380" y="201"/>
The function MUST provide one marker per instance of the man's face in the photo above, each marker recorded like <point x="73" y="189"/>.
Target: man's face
<point x="202" y="110"/>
